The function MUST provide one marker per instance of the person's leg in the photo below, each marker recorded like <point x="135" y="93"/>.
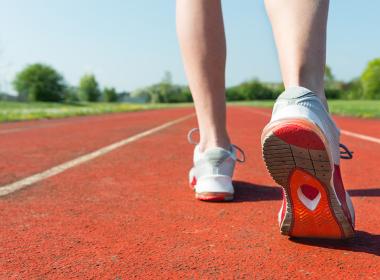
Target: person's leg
<point x="299" y="28"/>
<point x="301" y="132"/>
<point x="202" y="41"/>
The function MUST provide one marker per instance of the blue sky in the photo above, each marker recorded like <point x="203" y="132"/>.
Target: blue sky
<point x="131" y="43"/>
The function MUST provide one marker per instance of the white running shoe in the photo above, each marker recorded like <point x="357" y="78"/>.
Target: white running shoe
<point x="301" y="150"/>
<point x="211" y="174"/>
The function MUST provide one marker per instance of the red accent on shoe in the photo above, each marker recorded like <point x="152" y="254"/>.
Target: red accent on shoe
<point x="340" y="192"/>
<point x="193" y="183"/>
<point x="319" y="222"/>
<point x="309" y="191"/>
<point x="300" y="136"/>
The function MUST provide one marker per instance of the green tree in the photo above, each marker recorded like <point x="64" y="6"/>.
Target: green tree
<point x="88" y="89"/>
<point x="370" y="80"/>
<point x="251" y="90"/>
<point x="109" y="95"/>
<point x="40" y="82"/>
<point x="142" y="94"/>
<point x="186" y="93"/>
<point x="329" y="77"/>
<point x="234" y="94"/>
<point x="333" y="87"/>
<point x="71" y="95"/>
<point x="162" y="91"/>
<point x="352" y="89"/>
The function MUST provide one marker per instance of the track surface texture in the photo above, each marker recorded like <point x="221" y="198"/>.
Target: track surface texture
<point x="129" y="214"/>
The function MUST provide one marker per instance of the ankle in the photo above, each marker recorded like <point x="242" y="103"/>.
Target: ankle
<point x="220" y="142"/>
<point x="307" y="76"/>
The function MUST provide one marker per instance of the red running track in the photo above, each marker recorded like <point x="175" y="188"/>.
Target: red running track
<point x="129" y="214"/>
<point x="30" y="147"/>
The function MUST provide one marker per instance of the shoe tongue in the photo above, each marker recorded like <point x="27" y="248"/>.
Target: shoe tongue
<point x="295" y="92"/>
<point x="216" y="155"/>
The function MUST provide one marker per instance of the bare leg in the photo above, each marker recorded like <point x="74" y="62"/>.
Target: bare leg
<point x="201" y="36"/>
<point x="299" y="28"/>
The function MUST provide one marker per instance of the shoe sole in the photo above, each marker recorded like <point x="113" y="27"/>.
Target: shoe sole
<point x="213" y="196"/>
<point x="297" y="157"/>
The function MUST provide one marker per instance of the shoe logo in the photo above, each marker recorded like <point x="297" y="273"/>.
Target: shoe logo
<point x="309" y="196"/>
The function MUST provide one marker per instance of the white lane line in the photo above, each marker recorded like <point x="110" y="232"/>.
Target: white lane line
<point x="10" y="130"/>
<point x="342" y="131"/>
<point x="12" y="187"/>
<point x="51" y="123"/>
<point x="361" y="136"/>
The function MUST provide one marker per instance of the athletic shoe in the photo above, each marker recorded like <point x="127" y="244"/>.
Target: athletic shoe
<point x="211" y="174"/>
<point x="302" y="153"/>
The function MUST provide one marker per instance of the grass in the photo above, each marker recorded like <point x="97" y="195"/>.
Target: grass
<point x="355" y="108"/>
<point x="18" y="111"/>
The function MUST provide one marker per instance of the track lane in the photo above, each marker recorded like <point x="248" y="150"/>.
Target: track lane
<point x="130" y="214"/>
<point x="45" y="144"/>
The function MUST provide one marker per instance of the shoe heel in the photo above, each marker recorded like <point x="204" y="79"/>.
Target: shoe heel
<point x="297" y="159"/>
<point x="214" y="188"/>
